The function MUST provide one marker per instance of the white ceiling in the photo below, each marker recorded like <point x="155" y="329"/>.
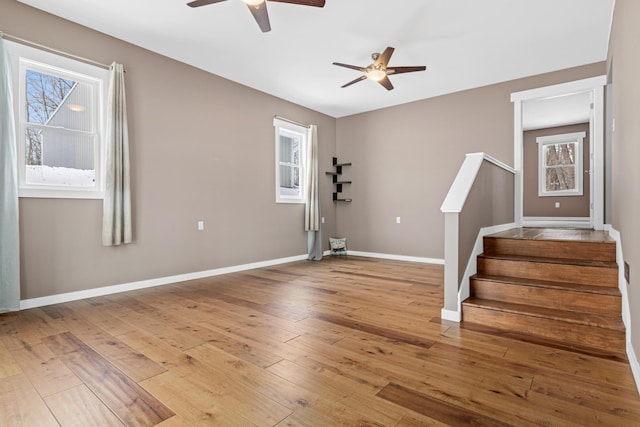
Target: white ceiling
<point x="556" y="111"/>
<point x="463" y="43"/>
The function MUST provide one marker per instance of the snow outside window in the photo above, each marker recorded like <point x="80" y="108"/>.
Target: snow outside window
<point x="560" y="164"/>
<point x="59" y="104"/>
<point x="291" y="143"/>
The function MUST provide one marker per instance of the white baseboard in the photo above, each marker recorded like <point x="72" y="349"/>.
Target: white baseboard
<point x="622" y="283"/>
<point x="142" y="284"/>
<point x="451" y="315"/>
<point x="633" y="362"/>
<point x="626" y="310"/>
<point x="569" y="222"/>
<point x="107" y="290"/>
<point x="397" y="257"/>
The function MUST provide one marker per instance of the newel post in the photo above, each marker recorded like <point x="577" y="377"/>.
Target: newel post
<point x="451" y="309"/>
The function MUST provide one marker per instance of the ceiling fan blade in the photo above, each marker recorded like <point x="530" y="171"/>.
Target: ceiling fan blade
<point x="261" y="16"/>
<point x="386" y="83"/>
<point x="359" y="79"/>
<point x="383" y="59"/>
<point x="198" y="3"/>
<point x="400" y="70"/>
<point x="316" y="3"/>
<point x="353" y="67"/>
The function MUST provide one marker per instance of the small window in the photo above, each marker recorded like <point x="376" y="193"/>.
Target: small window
<point x="59" y="113"/>
<point x="291" y="144"/>
<point x="560" y="164"/>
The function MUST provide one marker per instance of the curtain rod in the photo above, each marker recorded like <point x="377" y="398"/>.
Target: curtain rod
<point x="16" y="39"/>
<point x="291" y="121"/>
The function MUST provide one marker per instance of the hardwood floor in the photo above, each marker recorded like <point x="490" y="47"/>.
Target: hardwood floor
<point x="345" y="341"/>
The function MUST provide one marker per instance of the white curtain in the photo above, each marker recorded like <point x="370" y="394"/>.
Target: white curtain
<point x="116" y="214"/>
<point x="9" y="233"/>
<point x="312" y="207"/>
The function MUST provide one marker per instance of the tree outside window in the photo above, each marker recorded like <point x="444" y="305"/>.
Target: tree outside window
<point x="44" y="95"/>
<point x="560" y="164"/>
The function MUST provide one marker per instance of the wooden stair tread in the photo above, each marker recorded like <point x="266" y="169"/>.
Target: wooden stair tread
<point x="571" y="249"/>
<point x="603" y="264"/>
<point x="601" y="338"/>
<point x="609" y="353"/>
<point x="596" y="273"/>
<point x="602" y="290"/>
<point x="613" y="323"/>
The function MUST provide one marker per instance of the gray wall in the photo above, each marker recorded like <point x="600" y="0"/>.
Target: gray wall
<point x="623" y="55"/>
<point x="490" y="202"/>
<point x="202" y="149"/>
<point x="570" y="206"/>
<point x="406" y="157"/>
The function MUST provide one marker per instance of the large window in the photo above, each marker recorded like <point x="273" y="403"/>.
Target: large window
<point x="560" y="164"/>
<point x="59" y="106"/>
<point x="291" y="144"/>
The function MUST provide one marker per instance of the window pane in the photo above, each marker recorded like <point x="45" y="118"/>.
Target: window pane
<point x="561" y="178"/>
<point x="289" y="150"/>
<point x="33" y="147"/>
<point x="290" y="145"/>
<point x="289" y="178"/>
<point x="59" y="157"/>
<point x="560" y="154"/>
<point x="55" y="101"/>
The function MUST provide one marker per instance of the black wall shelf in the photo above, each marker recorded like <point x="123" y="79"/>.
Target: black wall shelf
<point x="337" y="182"/>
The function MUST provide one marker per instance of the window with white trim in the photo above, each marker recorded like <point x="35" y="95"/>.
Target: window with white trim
<point x="59" y="104"/>
<point x="291" y="149"/>
<point x="560" y="164"/>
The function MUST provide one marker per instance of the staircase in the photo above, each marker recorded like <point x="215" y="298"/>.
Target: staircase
<point x="550" y="285"/>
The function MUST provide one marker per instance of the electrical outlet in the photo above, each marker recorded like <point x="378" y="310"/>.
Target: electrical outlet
<point x="200" y="225"/>
<point x="626" y="272"/>
<point x="397" y="220"/>
<point x="322" y="220"/>
<point x="557" y="205"/>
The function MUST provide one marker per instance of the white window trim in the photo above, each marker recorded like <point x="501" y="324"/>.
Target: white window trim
<point x="542" y="141"/>
<point x="21" y="55"/>
<point x="302" y="132"/>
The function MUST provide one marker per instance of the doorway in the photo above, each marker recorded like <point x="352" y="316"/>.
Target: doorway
<point x="550" y="110"/>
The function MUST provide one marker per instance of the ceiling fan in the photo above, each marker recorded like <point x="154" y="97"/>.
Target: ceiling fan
<point x="379" y="71"/>
<point x="258" y="8"/>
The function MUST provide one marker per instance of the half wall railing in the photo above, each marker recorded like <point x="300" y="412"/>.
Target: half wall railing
<point x="480" y="202"/>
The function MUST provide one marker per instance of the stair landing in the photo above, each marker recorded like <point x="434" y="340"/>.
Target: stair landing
<point x="531" y="233"/>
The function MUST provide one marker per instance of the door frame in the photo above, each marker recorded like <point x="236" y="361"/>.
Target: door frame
<point x="594" y="85"/>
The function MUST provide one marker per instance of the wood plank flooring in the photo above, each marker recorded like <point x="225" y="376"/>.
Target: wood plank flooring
<point x="346" y="341"/>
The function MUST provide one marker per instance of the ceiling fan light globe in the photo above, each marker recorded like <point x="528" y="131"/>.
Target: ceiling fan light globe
<point x="376" y="75"/>
<point x="253" y="2"/>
